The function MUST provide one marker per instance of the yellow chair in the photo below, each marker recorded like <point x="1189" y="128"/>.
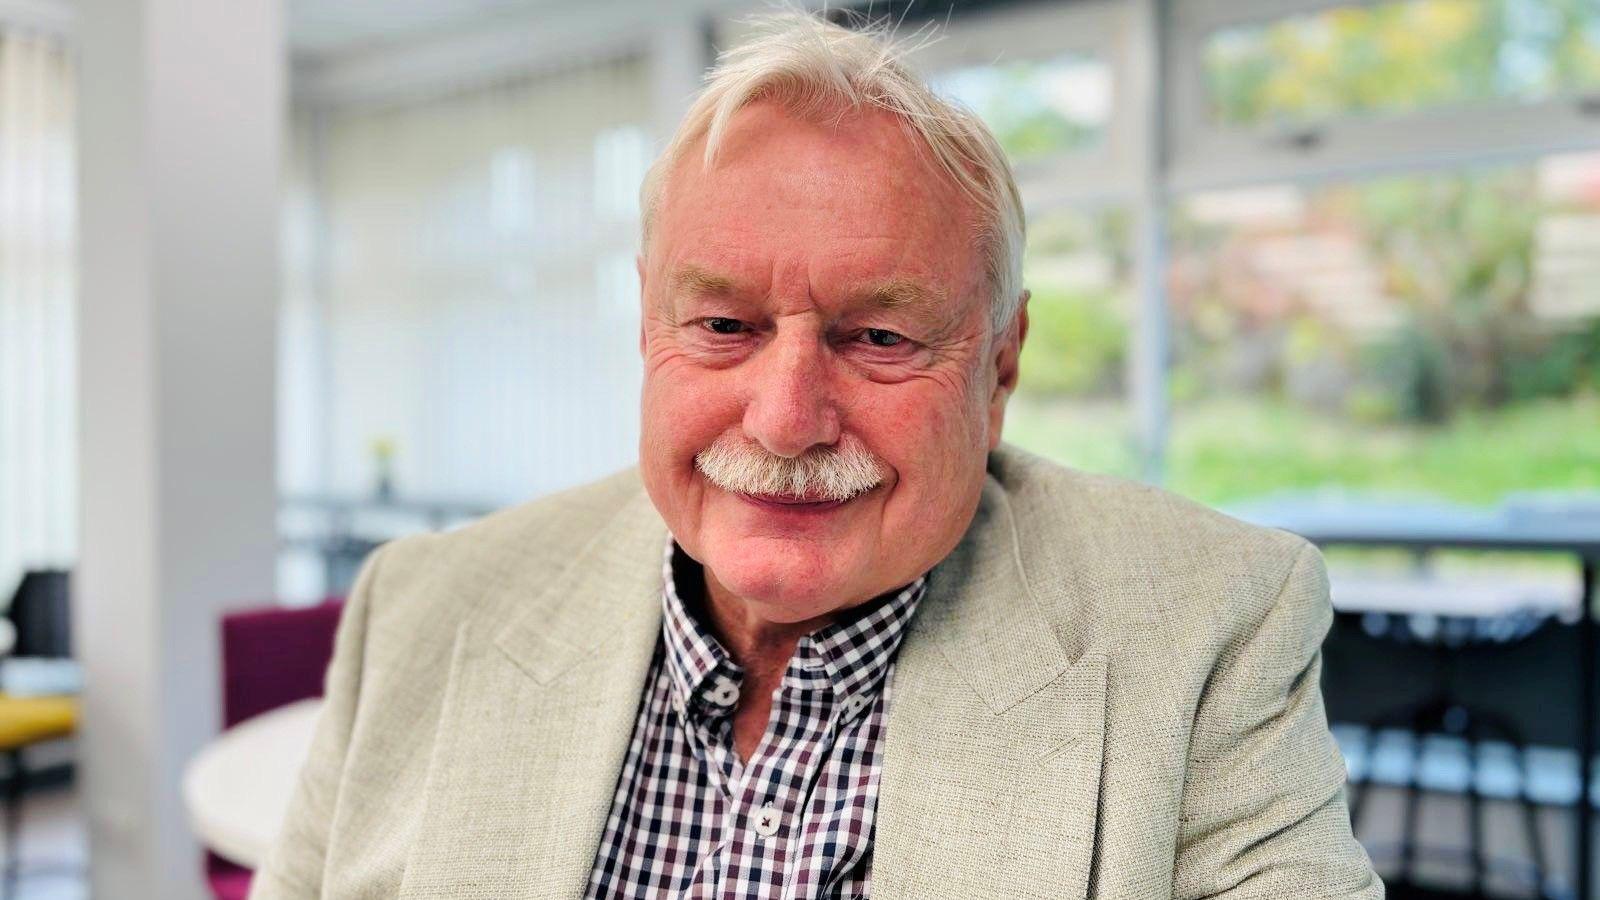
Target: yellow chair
<point x="25" y="721"/>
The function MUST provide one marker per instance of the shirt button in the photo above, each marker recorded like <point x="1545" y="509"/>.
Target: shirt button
<point x="854" y="704"/>
<point x="766" y="821"/>
<point x="724" y="693"/>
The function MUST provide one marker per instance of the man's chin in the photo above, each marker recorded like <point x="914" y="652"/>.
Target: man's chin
<point x="787" y="580"/>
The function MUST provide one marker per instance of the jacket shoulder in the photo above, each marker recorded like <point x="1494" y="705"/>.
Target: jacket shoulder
<point x="440" y="576"/>
<point x="1138" y="552"/>
<point x="1053" y="496"/>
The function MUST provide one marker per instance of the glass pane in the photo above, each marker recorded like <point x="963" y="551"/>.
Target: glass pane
<point x="1037" y="108"/>
<point x="1071" y="401"/>
<point x="1429" y="334"/>
<point x="1401" y="56"/>
<point x="1071" y="404"/>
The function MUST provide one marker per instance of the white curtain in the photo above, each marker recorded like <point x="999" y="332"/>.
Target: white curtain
<point x="472" y="301"/>
<point x="38" y="434"/>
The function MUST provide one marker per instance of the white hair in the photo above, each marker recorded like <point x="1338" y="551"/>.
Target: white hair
<point x="821" y="473"/>
<point x="814" y="67"/>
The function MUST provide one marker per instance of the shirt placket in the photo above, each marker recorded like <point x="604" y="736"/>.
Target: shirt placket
<point x="714" y="733"/>
<point x="771" y="796"/>
<point x="708" y="728"/>
<point x="833" y="681"/>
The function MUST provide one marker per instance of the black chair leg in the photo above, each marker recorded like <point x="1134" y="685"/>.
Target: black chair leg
<point x="14" y="786"/>
<point x="1477" y="831"/>
<point x="1356" y="795"/>
<point x="1539" y="872"/>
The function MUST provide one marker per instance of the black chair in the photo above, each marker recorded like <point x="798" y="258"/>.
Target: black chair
<point x="1468" y="678"/>
<point x="40" y="613"/>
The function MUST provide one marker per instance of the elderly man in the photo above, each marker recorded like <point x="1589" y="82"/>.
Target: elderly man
<point x="832" y="638"/>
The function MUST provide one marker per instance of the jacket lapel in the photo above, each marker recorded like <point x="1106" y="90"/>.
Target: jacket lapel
<point x="537" y="719"/>
<point x="991" y="776"/>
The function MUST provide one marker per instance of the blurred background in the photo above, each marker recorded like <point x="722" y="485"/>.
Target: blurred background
<point x="281" y="281"/>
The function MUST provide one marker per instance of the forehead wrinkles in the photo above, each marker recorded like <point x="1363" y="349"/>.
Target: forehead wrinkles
<point x="857" y="165"/>
<point x="789" y="199"/>
<point x="890" y="281"/>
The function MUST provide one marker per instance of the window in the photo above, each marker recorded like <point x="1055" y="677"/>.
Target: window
<point x="471" y="283"/>
<point x="1070" y="404"/>
<point x="1037" y="108"/>
<point x="1435" y="333"/>
<point x="38" y="278"/>
<point x="1399" y="57"/>
<point x="1072" y="400"/>
<point x="1055" y="114"/>
<point x="461" y="307"/>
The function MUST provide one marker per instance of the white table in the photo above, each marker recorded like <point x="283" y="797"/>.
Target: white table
<point x="237" y="788"/>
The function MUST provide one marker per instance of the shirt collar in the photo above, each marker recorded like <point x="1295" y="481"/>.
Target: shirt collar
<point x="699" y="666"/>
<point x="852" y="655"/>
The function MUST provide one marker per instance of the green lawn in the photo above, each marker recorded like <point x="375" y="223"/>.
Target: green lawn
<point x="1088" y="434"/>
<point x="1225" y="451"/>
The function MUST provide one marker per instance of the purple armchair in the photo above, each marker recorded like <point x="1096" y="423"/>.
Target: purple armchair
<point x="270" y="657"/>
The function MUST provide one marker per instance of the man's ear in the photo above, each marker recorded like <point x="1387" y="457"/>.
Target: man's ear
<point x="1007" y="354"/>
<point x="638" y="265"/>
<point x="1008" y="350"/>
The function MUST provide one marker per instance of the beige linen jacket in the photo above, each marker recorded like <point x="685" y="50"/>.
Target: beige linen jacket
<point x="1108" y="691"/>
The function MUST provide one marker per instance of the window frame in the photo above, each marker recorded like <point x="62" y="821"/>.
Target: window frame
<point x="1104" y="173"/>
<point x="1207" y="155"/>
<point x="56" y="18"/>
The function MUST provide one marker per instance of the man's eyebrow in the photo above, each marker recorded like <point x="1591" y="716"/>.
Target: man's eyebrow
<point x="923" y="301"/>
<point x="692" y="279"/>
<point x="899" y="293"/>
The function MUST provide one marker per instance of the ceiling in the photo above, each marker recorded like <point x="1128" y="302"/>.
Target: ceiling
<point x="321" y="27"/>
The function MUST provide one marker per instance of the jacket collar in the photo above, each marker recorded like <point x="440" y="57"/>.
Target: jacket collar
<point x="991" y="768"/>
<point x="610" y="589"/>
<point x="979" y="608"/>
<point x="537" y="715"/>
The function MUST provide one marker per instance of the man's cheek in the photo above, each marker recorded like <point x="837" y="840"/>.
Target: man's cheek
<point x="692" y="417"/>
<point x="925" y="424"/>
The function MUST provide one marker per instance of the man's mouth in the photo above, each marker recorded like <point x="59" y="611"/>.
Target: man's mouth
<point x="794" y="502"/>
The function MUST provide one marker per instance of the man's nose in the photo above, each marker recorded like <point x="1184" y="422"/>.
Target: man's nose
<point x="790" y="409"/>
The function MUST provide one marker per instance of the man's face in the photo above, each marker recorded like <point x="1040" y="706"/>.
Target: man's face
<point x="818" y="288"/>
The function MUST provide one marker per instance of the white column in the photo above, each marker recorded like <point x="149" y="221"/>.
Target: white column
<point x="180" y="127"/>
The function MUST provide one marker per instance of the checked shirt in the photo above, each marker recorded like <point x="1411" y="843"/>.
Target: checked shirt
<point x="690" y="820"/>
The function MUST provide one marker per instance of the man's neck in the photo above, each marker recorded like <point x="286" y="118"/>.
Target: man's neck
<point x="760" y="647"/>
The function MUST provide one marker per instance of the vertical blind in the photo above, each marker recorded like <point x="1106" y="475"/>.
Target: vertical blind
<point x="473" y="302"/>
<point x="38" y="435"/>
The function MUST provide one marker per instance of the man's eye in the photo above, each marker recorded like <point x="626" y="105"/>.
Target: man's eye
<point x="724" y="326"/>
<point x="880" y="337"/>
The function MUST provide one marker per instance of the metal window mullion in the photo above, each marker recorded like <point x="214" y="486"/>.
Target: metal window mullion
<point x="1148" y="89"/>
<point x="1218" y="158"/>
<point x="1195" y="19"/>
<point x="1207" y="154"/>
